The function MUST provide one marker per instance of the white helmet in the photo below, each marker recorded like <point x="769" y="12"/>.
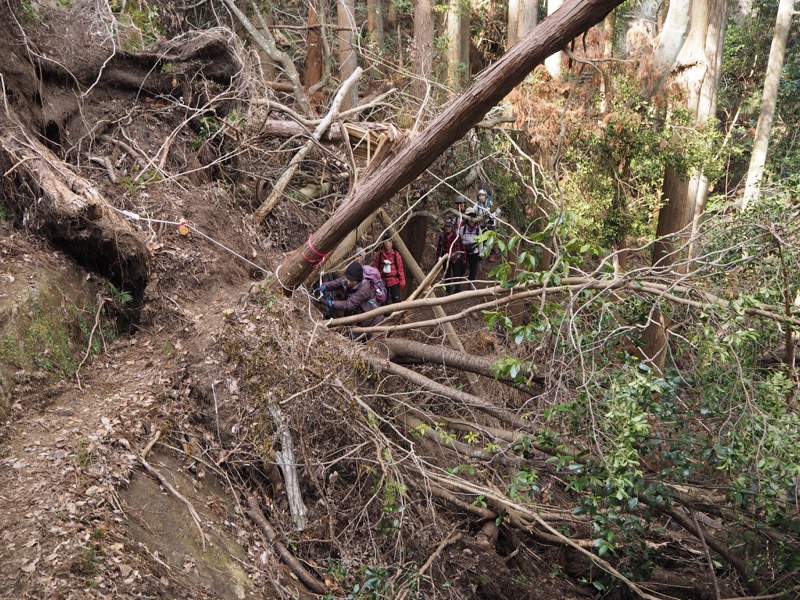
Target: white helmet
<point x="482" y="193"/>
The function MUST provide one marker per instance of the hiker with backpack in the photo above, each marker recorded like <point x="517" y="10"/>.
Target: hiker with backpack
<point x="450" y="244"/>
<point x="390" y="265"/>
<point x="484" y="207"/>
<point x="361" y="292"/>
<point x="469" y="232"/>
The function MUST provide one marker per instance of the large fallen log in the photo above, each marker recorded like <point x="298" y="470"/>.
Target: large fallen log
<point x="52" y="200"/>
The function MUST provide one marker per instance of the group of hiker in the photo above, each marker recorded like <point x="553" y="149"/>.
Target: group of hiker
<point x="459" y="239"/>
<point x="364" y="287"/>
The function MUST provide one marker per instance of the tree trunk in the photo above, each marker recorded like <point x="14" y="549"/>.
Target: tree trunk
<point x="528" y="17"/>
<point x="699" y="64"/>
<point x="769" y="100"/>
<point x="513" y="23"/>
<point x="423" y="48"/>
<point x="381" y="183"/>
<point x="346" y="11"/>
<point x="457" y="67"/>
<point x="553" y="62"/>
<point x="314" y="57"/>
<point x="669" y="44"/>
<point x="71" y="213"/>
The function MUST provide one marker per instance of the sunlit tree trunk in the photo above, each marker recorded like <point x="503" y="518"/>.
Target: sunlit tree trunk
<point x="457" y="30"/>
<point x="347" y="55"/>
<point x="758" y="159"/>
<point x="423" y="47"/>
<point x="513" y="21"/>
<point x="668" y="45"/>
<point x="553" y="63"/>
<point x="376" y="35"/>
<point x="528" y="17"/>
<point x="698" y="65"/>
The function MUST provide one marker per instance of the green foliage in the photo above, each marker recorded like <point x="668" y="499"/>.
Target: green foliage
<point x="5" y="215"/>
<point x="140" y="22"/>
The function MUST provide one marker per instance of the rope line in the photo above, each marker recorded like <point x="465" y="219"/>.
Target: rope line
<point x="135" y="217"/>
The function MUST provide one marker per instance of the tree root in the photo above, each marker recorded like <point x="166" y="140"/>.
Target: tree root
<point x="254" y="512"/>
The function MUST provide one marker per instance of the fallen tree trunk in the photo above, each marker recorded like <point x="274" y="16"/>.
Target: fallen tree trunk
<point x="397" y="348"/>
<point x="572" y="19"/>
<point x="51" y="199"/>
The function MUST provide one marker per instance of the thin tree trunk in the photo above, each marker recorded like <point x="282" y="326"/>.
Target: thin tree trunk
<point x="769" y="99"/>
<point x="379" y="185"/>
<point x="423" y="48"/>
<point x="346" y="10"/>
<point x="528" y="17"/>
<point x="457" y="69"/>
<point x="553" y="62"/>
<point x="513" y="22"/>
<point x="314" y="56"/>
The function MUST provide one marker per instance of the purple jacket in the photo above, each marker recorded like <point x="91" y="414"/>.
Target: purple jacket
<point x="358" y="299"/>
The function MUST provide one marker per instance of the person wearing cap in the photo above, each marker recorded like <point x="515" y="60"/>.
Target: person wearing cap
<point x="469" y="232"/>
<point x="360" y="255"/>
<point x="390" y="265"/>
<point x="359" y="293"/>
<point x="451" y="244"/>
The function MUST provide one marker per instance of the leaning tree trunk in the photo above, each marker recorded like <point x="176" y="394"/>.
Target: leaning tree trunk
<point x="389" y="177"/>
<point x="769" y="100"/>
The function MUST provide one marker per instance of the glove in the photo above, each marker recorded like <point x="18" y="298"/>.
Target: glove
<point x="330" y="304"/>
<point x="321" y="289"/>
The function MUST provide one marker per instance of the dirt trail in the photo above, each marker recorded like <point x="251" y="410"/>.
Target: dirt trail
<point x="79" y="517"/>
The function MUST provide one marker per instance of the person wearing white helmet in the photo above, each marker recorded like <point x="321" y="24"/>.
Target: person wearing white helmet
<point x="484" y="206"/>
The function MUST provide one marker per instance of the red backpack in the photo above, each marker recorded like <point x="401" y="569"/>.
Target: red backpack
<point x="372" y="275"/>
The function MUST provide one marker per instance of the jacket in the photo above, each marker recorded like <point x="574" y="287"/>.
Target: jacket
<point x="452" y="244"/>
<point x="396" y="275"/>
<point x="469" y="235"/>
<point x="358" y="299"/>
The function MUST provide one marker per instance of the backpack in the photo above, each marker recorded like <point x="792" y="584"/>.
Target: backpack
<point x="372" y="275"/>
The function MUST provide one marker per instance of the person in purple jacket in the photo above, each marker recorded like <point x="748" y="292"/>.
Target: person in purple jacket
<point x="359" y="293"/>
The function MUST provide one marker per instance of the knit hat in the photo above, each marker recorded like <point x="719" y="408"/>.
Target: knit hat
<point x="354" y="271"/>
<point x="449" y="223"/>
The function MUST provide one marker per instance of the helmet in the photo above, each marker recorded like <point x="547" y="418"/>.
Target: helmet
<point x="461" y="199"/>
<point x="482" y="193"/>
<point x="470" y="212"/>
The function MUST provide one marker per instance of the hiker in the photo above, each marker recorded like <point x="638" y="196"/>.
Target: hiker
<point x="390" y="264"/>
<point x="484" y="207"/>
<point x="360" y="293"/>
<point x="456" y="212"/>
<point x="469" y="232"/>
<point x="450" y="244"/>
<point x="360" y="255"/>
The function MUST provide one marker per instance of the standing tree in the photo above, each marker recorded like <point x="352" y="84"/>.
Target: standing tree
<point x="553" y="62"/>
<point x="348" y="62"/>
<point x="423" y="48"/>
<point x="769" y="100"/>
<point x="699" y="66"/>
<point x="458" y="44"/>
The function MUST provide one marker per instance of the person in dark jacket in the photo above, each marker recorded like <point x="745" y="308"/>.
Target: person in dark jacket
<point x="450" y="244"/>
<point x="359" y="293"/>
<point x="390" y="264"/>
<point x="470" y="231"/>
